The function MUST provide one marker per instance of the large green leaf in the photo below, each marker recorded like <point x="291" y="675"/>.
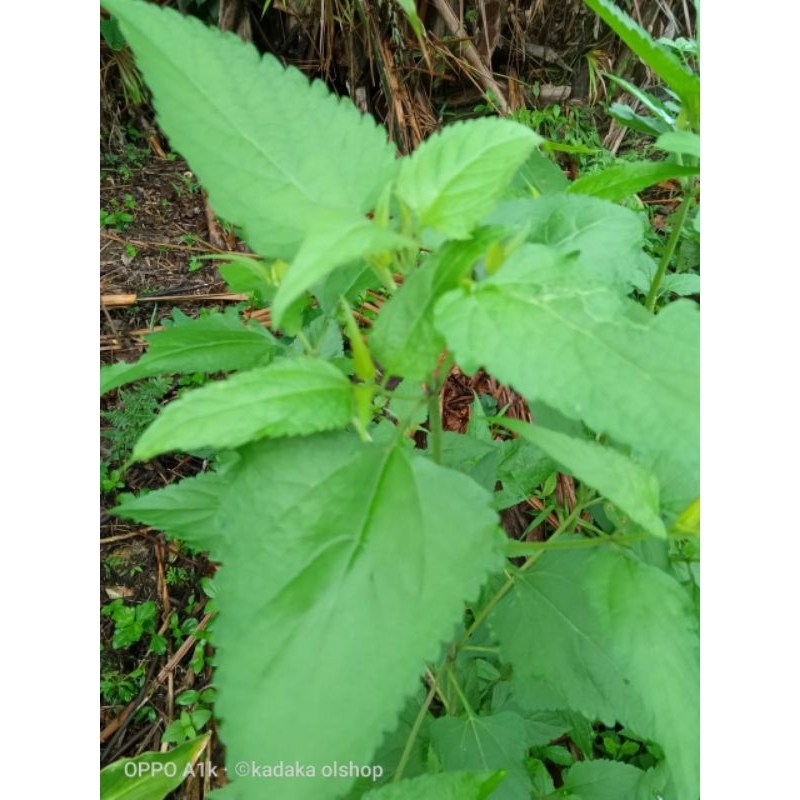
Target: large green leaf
<point x="584" y="351"/>
<point x="629" y="485"/>
<point x="444" y="786"/>
<point x="614" y="639"/>
<point x="497" y="741"/>
<point x="327" y="249"/>
<point x="217" y="343"/>
<point x="287" y="398"/>
<point x="607" y="238"/>
<point x="604" y="780"/>
<point x="150" y="776"/>
<point x="344" y="567"/>
<point x="403" y="337"/>
<point x="454" y="178"/>
<point x="662" y="61"/>
<point x="278" y="156"/>
<point x="623" y="180"/>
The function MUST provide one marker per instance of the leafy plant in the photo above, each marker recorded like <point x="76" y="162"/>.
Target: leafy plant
<point x="349" y="552"/>
<point x="131" y="623"/>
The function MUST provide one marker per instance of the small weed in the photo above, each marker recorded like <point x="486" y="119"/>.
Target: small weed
<point x="137" y="409"/>
<point x="175" y="576"/>
<point x="132" y="623"/>
<point x="110" y="479"/>
<point x="131" y="251"/>
<point x="195" y="264"/>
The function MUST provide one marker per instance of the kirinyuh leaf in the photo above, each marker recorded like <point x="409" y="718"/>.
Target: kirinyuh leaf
<point x="217" y="343"/>
<point x="444" y="786"/>
<point x="364" y="589"/>
<point x="607" y="238"/>
<point x="486" y="742"/>
<point x="240" y="120"/>
<point x="584" y="351"/>
<point x="288" y="398"/>
<point x="623" y="180"/>
<point x="604" y="780"/>
<point x="614" y="639"/>
<point x="454" y="178"/>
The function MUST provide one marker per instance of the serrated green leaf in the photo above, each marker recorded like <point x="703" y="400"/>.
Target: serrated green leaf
<point x="186" y="510"/>
<point x="623" y="180"/>
<point x="445" y="786"/>
<point x="327" y="249"/>
<point x="587" y="353"/>
<point x="684" y="142"/>
<point x="496" y="741"/>
<point x="217" y="343"/>
<point x="603" y="780"/>
<point x="632" y="487"/>
<point x="616" y="640"/>
<point x="662" y="61"/>
<point x="522" y="467"/>
<point x="240" y="120"/>
<point x="368" y="586"/>
<point x="150" y="776"/>
<point x="607" y="238"/>
<point x="454" y="178"/>
<point x="683" y="284"/>
<point x="403" y="337"/>
<point x="287" y="398"/>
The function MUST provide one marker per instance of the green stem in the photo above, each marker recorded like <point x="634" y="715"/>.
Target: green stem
<point x="435" y="425"/>
<point x="414" y="732"/>
<point x="666" y="256"/>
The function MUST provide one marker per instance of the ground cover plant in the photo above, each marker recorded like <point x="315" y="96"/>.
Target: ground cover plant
<point x="378" y="633"/>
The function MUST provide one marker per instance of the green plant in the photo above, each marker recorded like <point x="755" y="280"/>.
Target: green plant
<point x="136" y="410"/>
<point x="132" y="623"/>
<point x="193" y="718"/>
<point x="348" y="552"/>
